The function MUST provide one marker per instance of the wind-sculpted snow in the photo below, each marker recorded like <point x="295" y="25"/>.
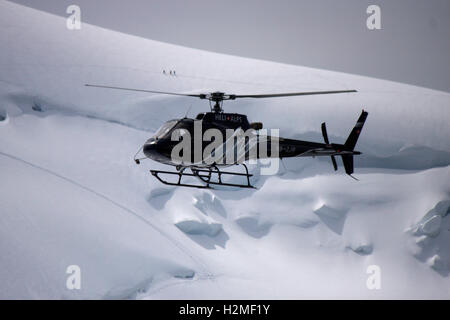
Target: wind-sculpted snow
<point x="70" y="193"/>
<point x="432" y="237"/>
<point x="331" y="217"/>
<point x="199" y="228"/>
<point x="408" y="158"/>
<point x="159" y="196"/>
<point x="208" y="203"/>
<point x="253" y="227"/>
<point x="362" y="249"/>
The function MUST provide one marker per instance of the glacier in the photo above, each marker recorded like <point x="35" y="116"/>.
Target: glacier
<point x="70" y="193"/>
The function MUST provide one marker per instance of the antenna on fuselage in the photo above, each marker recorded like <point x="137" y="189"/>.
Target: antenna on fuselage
<point x="187" y="111"/>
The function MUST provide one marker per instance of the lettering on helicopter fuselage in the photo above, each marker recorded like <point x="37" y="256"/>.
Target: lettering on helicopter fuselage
<point x="228" y="117"/>
<point x="237" y="146"/>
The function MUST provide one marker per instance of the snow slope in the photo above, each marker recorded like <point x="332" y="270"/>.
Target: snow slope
<point x="71" y="194"/>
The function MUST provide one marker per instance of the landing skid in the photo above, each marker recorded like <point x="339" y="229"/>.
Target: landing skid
<point x="208" y="177"/>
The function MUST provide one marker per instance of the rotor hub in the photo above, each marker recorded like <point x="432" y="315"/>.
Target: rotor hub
<point x="218" y="98"/>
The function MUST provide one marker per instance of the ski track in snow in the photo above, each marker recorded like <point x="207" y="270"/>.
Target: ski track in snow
<point x="208" y="275"/>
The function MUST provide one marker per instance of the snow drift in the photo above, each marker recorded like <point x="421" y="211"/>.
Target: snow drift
<point x="71" y="195"/>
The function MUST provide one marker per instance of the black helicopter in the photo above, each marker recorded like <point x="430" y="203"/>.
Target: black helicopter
<point x="160" y="147"/>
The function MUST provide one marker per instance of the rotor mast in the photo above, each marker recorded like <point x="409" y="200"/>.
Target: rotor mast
<point x="217" y="98"/>
<point x="217" y="108"/>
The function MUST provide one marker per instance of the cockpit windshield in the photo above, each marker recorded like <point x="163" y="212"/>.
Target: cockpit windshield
<point x="165" y="128"/>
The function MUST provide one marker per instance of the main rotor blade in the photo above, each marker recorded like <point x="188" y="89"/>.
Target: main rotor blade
<point x="290" y="94"/>
<point x="149" y="91"/>
<point x="223" y="96"/>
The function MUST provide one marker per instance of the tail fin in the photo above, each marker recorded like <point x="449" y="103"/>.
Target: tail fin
<point x="348" y="163"/>
<point x="350" y="144"/>
<point x="354" y="135"/>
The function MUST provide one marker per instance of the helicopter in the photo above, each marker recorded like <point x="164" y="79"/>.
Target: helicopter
<point x="208" y="169"/>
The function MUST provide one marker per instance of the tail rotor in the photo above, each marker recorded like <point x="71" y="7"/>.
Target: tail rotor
<point x="347" y="150"/>
<point x="327" y="142"/>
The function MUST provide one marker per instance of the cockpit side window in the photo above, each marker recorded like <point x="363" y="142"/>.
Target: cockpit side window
<point x="165" y="128"/>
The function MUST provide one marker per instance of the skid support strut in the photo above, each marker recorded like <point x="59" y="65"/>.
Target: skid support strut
<point x="210" y="176"/>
